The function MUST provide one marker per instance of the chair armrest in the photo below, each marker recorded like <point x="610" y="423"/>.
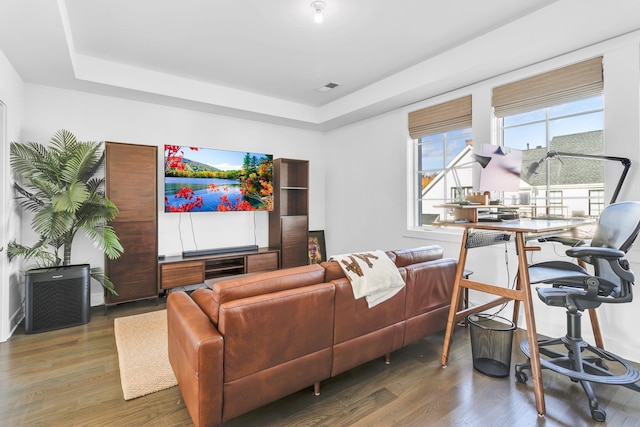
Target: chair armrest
<point x="596" y="252"/>
<point x="615" y="258"/>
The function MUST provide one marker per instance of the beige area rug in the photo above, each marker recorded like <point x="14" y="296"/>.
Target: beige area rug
<point x="141" y="341"/>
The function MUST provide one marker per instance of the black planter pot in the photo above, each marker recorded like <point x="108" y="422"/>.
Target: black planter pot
<point x="57" y="297"/>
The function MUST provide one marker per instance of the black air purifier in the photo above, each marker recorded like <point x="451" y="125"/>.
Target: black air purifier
<point x="57" y="298"/>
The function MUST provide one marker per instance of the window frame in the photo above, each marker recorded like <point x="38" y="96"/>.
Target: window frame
<point x="548" y="120"/>
<point x="444" y="175"/>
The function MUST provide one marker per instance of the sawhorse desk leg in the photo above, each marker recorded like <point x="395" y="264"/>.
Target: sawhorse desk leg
<point x="455" y="301"/>
<point x="522" y="293"/>
<point x="532" y="336"/>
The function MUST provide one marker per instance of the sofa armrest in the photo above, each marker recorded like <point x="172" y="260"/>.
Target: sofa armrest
<point x="196" y="355"/>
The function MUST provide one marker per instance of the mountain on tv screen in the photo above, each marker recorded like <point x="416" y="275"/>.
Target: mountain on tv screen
<point x="205" y="179"/>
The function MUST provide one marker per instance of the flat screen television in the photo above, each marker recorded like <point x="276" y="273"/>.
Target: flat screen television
<point x="205" y="179"/>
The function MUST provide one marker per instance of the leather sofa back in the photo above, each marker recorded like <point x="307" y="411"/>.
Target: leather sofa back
<point x="255" y="284"/>
<point x="332" y="271"/>
<point x="354" y="318"/>
<point x="264" y="331"/>
<point x="401" y="258"/>
<point x="429" y="285"/>
<point x="407" y="257"/>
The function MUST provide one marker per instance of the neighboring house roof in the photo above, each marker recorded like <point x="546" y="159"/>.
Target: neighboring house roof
<point x="465" y="155"/>
<point x="568" y="170"/>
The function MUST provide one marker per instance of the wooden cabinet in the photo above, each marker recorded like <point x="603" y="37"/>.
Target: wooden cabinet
<point x="266" y="261"/>
<point x="131" y="183"/>
<point x="179" y="271"/>
<point x="294" y="240"/>
<point x="289" y="220"/>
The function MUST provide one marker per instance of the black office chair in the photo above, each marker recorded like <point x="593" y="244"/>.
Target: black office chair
<point x="577" y="290"/>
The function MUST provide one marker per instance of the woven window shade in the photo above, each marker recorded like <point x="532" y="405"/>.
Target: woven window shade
<point x="440" y="118"/>
<point x="577" y="81"/>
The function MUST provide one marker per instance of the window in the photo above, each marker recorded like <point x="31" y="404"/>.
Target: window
<point x="596" y="202"/>
<point x="442" y="149"/>
<point x="574" y="128"/>
<point x="555" y="203"/>
<point x="460" y="193"/>
<point x="557" y="120"/>
<point x="442" y="168"/>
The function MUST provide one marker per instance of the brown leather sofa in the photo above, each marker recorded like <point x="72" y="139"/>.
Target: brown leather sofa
<point x="251" y="340"/>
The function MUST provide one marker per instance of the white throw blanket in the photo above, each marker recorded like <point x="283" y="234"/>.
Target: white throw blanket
<point x="372" y="275"/>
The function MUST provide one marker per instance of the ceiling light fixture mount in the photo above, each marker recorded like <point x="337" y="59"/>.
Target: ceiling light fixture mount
<point x="329" y="86"/>
<point x="318" y="6"/>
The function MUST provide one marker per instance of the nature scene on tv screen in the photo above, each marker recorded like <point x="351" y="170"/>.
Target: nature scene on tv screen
<point x="205" y="179"/>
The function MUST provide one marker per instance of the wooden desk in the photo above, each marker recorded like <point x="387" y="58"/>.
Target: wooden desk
<point x="522" y="292"/>
<point x="470" y="212"/>
<point x="466" y="212"/>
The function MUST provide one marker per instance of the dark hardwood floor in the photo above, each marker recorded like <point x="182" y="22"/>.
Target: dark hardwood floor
<point x="70" y="377"/>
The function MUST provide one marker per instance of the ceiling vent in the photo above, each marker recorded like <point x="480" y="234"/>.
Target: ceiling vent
<point x="328" y="87"/>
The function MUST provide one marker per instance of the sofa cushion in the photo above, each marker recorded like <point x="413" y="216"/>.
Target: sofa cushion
<point x="267" y="330"/>
<point x="263" y="283"/>
<point x="354" y="318"/>
<point x="417" y="255"/>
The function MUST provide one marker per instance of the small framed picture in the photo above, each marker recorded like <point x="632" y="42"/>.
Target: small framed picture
<point x="317" y="250"/>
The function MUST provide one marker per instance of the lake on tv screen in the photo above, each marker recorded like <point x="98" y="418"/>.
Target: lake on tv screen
<point x="201" y="187"/>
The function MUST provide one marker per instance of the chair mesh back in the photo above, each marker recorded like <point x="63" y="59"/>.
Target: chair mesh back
<point x="618" y="227"/>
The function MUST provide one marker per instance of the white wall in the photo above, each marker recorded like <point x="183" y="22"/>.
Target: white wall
<point x="11" y="294"/>
<point x="368" y="180"/>
<point x="366" y="185"/>
<point x="100" y="118"/>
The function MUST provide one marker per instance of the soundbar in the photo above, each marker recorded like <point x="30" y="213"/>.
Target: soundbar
<point x="216" y="251"/>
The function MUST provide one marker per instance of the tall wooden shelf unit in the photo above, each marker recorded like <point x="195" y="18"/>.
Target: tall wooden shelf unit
<point x="289" y="220"/>
<point x="131" y="183"/>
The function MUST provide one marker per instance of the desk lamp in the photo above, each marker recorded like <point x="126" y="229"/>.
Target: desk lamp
<point x="476" y="158"/>
<point x="533" y="170"/>
<point x="533" y="167"/>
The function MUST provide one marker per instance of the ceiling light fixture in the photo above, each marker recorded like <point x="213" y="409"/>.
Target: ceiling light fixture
<point x="318" y="6"/>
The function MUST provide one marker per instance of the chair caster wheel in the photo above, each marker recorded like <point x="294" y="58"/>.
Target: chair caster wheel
<point x="521" y="377"/>
<point x="598" y="415"/>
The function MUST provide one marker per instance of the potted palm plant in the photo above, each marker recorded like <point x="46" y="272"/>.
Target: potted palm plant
<point x="57" y="184"/>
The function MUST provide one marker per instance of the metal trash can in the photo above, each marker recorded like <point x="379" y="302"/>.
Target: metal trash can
<point x="491" y="339"/>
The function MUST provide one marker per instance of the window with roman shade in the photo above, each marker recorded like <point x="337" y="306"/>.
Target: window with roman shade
<point x="440" y="118"/>
<point x="442" y="143"/>
<point x="570" y="83"/>
<point x="561" y="111"/>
